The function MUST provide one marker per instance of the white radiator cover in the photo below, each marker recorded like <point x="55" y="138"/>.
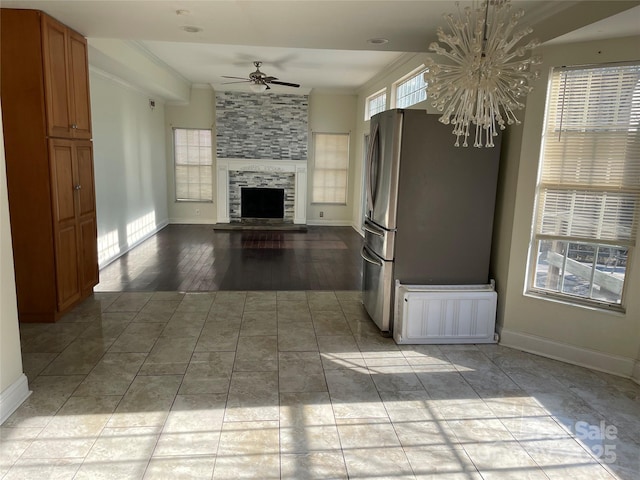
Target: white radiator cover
<point x="445" y="314"/>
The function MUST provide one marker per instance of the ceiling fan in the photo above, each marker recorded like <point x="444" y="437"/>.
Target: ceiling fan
<point x="258" y="81"/>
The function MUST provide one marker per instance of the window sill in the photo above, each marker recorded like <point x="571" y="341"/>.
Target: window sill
<point x="617" y="310"/>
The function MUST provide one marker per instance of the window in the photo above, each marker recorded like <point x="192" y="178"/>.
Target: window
<point x="376" y="103"/>
<point x="588" y="193"/>
<point x="411" y="89"/>
<point x="331" y="168"/>
<point x="193" y="165"/>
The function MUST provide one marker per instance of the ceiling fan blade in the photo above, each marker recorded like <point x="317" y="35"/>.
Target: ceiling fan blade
<point x="239" y="78"/>
<point x="285" y="84"/>
<point x="269" y="79"/>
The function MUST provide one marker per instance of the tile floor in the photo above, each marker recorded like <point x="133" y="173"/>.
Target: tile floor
<point x="299" y="385"/>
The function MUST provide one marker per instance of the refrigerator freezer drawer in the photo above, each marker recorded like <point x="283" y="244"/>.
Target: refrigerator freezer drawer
<point x="377" y="286"/>
<point x="379" y="240"/>
<point x="445" y="314"/>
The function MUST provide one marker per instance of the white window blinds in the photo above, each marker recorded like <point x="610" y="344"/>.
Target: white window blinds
<point x="331" y="168"/>
<point x="590" y="177"/>
<point x="411" y="90"/>
<point x="376" y="103"/>
<point x="193" y="165"/>
<point x="588" y="195"/>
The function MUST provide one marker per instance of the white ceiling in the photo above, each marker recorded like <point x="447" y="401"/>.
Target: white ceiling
<point x="320" y="44"/>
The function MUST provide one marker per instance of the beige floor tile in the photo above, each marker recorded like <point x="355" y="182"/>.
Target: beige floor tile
<point x="366" y="433"/>
<point x="258" y="324"/>
<point x="329" y="323"/>
<point x="197" y="398"/>
<point x="450" y="463"/>
<point x="180" y="468"/>
<point x="112" y="375"/>
<point x="74" y="429"/>
<point x="130" y="302"/>
<point x="147" y="402"/>
<point x="301" y="372"/>
<point x="502" y="460"/>
<point x="196" y="302"/>
<point x="49" y="468"/>
<point x="169" y="356"/>
<point x="137" y="338"/>
<point x="208" y="372"/>
<point x="119" y="453"/>
<point x="253" y="396"/>
<point x="296" y="338"/>
<point x="388" y="463"/>
<point x="13" y="443"/>
<point x="257" y="354"/>
<point x="49" y="394"/>
<point x="248" y="450"/>
<point x="314" y="465"/>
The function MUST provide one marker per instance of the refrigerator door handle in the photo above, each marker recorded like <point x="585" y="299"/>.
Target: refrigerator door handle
<point x="367" y="258"/>
<point x="372" y="231"/>
<point x="372" y="176"/>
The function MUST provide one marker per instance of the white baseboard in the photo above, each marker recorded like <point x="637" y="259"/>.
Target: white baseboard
<point x="583" y="357"/>
<point x="358" y="228"/>
<point x="636" y="372"/>
<point x="125" y="247"/>
<point x="329" y="223"/>
<point x="193" y="221"/>
<point x="13" y="396"/>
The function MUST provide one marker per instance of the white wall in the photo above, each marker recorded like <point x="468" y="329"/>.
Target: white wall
<point x="10" y="355"/>
<point x="129" y="163"/>
<point x="333" y="113"/>
<point x="603" y="340"/>
<point x="200" y="112"/>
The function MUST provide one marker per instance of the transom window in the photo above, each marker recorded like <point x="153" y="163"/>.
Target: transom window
<point x="331" y="168"/>
<point x="411" y="89"/>
<point x="193" y="156"/>
<point x="376" y="103"/>
<point x="588" y="193"/>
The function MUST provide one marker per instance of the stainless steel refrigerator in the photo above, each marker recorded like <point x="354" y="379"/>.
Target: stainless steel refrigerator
<point x="429" y="209"/>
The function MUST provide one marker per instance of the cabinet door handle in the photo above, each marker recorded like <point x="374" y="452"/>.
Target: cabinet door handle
<point x="77" y="187"/>
<point x="73" y="125"/>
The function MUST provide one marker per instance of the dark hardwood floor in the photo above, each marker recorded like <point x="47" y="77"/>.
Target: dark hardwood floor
<point x="197" y="258"/>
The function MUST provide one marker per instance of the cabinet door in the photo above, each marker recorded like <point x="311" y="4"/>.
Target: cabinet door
<point x="86" y="215"/>
<point x="65" y="225"/>
<point x="56" y="78"/>
<point x="79" y="81"/>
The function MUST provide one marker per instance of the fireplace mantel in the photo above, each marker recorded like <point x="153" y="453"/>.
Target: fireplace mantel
<point x="297" y="167"/>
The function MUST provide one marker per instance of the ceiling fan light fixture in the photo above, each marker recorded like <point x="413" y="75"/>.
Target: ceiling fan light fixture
<point x="257" y="87"/>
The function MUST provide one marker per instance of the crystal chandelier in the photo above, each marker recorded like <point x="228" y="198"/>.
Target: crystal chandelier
<point x="487" y="77"/>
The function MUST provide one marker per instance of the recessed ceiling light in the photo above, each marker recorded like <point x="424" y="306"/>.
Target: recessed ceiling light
<point x="190" y="29"/>
<point x="377" y="41"/>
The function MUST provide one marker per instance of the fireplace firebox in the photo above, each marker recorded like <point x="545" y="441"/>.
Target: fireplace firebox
<point x="261" y="202"/>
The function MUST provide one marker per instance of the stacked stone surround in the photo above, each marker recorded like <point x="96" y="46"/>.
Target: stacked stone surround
<point x="262" y="126"/>
<point x="239" y="179"/>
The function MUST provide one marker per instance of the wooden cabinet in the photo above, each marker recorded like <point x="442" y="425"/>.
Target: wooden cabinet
<point x="66" y="81"/>
<point x="49" y="156"/>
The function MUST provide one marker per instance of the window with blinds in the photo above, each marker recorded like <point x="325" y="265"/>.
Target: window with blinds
<point x="411" y="90"/>
<point x="331" y="168"/>
<point x="193" y="156"/>
<point x="375" y="103"/>
<point x="588" y="196"/>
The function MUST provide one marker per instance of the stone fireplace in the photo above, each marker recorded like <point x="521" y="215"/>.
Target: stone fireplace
<point x="236" y="174"/>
